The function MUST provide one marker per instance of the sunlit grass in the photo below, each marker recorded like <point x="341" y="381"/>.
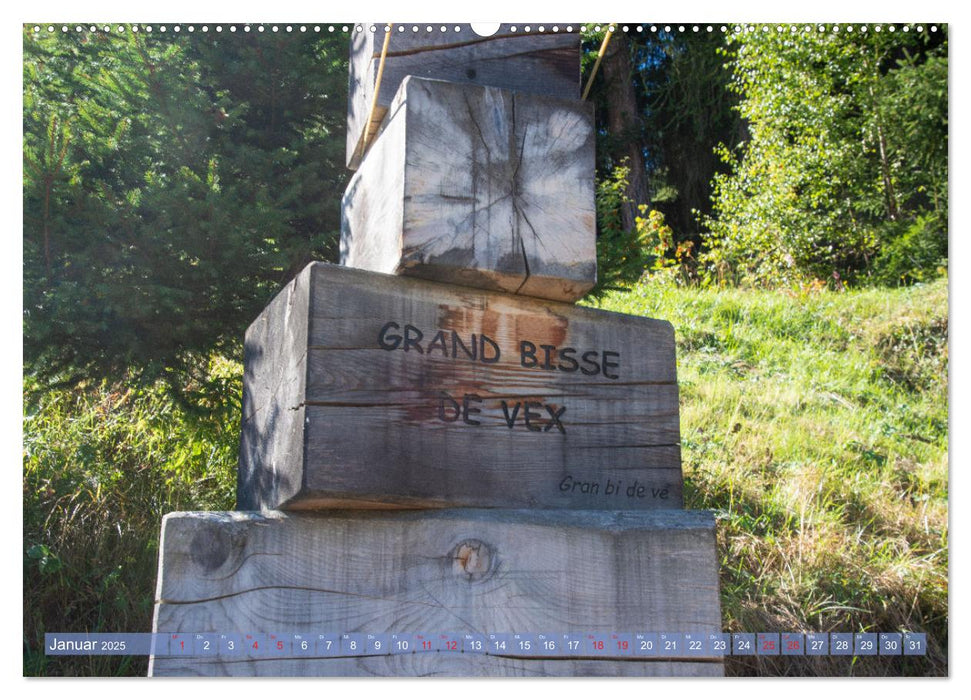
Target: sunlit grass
<point x="815" y="425"/>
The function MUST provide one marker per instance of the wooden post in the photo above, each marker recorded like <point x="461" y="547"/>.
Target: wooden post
<point x="367" y="390"/>
<point x="451" y="571"/>
<point x="478" y="186"/>
<point x="538" y="63"/>
<point x="385" y="393"/>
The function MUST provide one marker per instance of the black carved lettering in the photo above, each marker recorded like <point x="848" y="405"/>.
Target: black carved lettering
<point x="547" y="353"/>
<point x="607" y="364"/>
<point x="454" y="406"/>
<point x="438" y="343"/>
<point x="527" y="350"/>
<point x="555" y="419"/>
<point x="483" y="340"/>
<point x="466" y="409"/>
<point x="529" y="416"/>
<point x="587" y="361"/>
<point x="457" y="343"/>
<point x="413" y="338"/>
<point x="566" y="355"/>
<point x="510" y="420"/>
<point x="389" y="341"/>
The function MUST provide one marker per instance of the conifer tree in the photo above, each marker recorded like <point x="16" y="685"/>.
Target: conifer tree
<point x="172" y="184"/>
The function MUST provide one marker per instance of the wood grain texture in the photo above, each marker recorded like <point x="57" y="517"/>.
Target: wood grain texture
<point x="543" y="64"/>
<point x="433" y="666"/>
<point x="274" y="387"/>
<point x="402" y="572"/>
<point x="584" y="415"/>
<point x="478" y="186"/>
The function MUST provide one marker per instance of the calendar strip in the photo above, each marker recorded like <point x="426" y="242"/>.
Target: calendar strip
<point x="647" y="645"/>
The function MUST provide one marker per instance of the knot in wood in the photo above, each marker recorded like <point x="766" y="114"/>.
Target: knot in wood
<point x="472" y="560"/>
<point x="210" y="547"/>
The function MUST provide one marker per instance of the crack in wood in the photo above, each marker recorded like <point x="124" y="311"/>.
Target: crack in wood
<point x="274" y="391"/>
<point x="243" y="561"/>
<point x="647" y="445"/>
<point x="353" y="404"/>
<point x="311" y="589"/>
<point x="209" y="660"/>
<point x="536" y="236"/>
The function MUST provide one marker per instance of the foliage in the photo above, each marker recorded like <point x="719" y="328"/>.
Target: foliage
<point x="847" y="149"/>
<point x="681" y="109"/>
<point x="669" y="256"/>
<point x="622" y="255"/>
<point x="102" y="464"/>
<point x="911" y="251"/>
<point x="815" y="425"/>
<point x="170" y="187"/>
<point x="688" y="110"/>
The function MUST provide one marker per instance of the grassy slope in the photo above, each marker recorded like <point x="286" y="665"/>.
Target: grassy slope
<point x="102" y="465"/>
<point x="815" y="425"/>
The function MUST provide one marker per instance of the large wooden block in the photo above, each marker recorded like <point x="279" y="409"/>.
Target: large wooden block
<point x="478" y="186"/>
<point x="369" y="390"/>
<point x="432" y="572"/>
<point x="545" y="63"/>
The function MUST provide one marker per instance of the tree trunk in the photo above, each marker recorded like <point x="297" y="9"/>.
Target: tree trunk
<point x="624" y="124"/>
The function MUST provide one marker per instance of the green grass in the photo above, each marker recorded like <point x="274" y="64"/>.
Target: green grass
<point x="815" y="425"/>
<point x="102" y="465"/>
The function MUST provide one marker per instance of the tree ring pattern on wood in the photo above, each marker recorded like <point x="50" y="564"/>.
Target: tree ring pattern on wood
<point x="473" y="560"/>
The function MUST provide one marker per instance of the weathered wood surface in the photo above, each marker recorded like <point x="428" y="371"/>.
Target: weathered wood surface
<point x="481" y="187"/>
<point x="433" y="665"/>
<point x="275" y="384"/>
<point x="543" y="64"/>
<point x="419" y="394"/>
<point x="403" y="572"/>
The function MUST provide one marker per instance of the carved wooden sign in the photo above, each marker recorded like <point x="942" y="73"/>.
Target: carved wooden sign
<point x="478" y="186"/>
<point x="539" y="439"/>
<point x="370" y="390"/>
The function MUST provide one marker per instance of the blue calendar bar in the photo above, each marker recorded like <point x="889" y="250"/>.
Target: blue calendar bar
<point x="608" y="645"/>
<point x="549" y="645"/>
<point x="793" y="644"/>
<point x="646" y="644"/>
<point x="474" y="644"/>
<point x="817" y="644"/>
<point x="85" y="644"/>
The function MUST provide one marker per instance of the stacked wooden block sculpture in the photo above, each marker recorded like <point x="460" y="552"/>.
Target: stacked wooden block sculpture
<point x="436" y="444"/>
